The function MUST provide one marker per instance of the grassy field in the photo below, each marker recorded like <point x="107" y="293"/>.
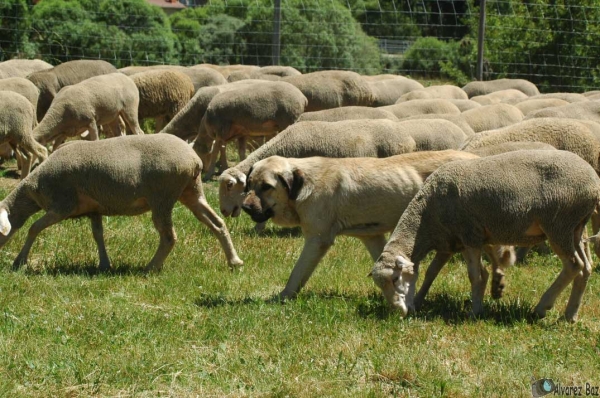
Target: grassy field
<point x="198" y="329"/>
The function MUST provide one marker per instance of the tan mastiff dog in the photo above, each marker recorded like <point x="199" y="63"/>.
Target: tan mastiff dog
<point x="326" y="197"/>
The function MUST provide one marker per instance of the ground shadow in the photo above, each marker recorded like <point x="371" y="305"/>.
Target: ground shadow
<point x="87" y="269"/>
<point x="453" y="310"/>
<point x="275" y="232"/>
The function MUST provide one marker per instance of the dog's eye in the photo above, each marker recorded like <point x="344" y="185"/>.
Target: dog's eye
<point x="266" y="187"/>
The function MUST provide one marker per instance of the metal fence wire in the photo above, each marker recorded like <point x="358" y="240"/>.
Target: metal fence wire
<point x="554" y="43"/>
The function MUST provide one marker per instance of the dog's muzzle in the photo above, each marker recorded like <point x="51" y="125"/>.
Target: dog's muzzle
<point x="257" y="215"/>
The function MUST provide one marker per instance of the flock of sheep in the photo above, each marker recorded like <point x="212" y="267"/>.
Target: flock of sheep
<point x="483" y="168"/>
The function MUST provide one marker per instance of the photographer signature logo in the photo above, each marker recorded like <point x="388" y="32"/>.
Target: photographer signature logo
<point x="541" y="387"/>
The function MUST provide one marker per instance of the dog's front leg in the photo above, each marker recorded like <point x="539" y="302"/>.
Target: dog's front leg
<point x="313" y="251"/>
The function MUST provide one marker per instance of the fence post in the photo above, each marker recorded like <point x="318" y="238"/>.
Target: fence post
<point x="480" y="40"/>
<point x="277" y="32"/>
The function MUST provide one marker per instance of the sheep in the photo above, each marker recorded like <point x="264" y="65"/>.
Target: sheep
<point x="332" y="89"/>
<point x="22" y="86"/>
<point x="499" y="96"/>
<point x="564" y="134"/>
<point x="387" y="91"/>
<point x="200" y="77"/>
<point x="347" y="113"/>
<point x="445" y="91"/>
<point x="467" y="205"/>
<point x="490" y="117"/>
<point x="454" y="118"/>
<point x="97" y="101"/>
<point x="353" y="138"/>
<point x="22" y="67"/>
<point x="531" y="105"/>
<point x="464" y="105"/>
<point x="510" y="146"/>
<point x="163" y="93"/>
<point x="226" y="70"/>
<point x="328" y="197"/>
<point x="422" y="107"/>
<point x="122" y="176"/>
<point x="274" y="72"/>
<point x="569" y="97"/>
<point x="17" y="120"/>
<point x="482" y="88"/>
<point x="50" y="81"/>
<point x="257" y="110"/>
<point x="591" y="93"/>
<point x="589" y="110"/>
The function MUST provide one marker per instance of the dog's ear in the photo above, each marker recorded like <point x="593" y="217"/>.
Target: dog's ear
<point x="246" y="180"/>
<point x="292" y="182"/>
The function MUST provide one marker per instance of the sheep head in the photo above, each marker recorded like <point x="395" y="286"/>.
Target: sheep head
<point x="395" y="281"/>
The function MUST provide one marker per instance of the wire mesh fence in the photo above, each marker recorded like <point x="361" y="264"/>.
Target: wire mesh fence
<point x="553" y="43"/>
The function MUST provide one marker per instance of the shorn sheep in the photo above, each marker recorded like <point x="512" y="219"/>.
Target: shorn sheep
<point x="121" y="176"/>
<point x="257" y="110"/>
<point x="95" y="102"/>
<point x="516" y="198"/>
<point x="50" y="81"/>
<point x="163" y="93"/>
<point x="17" y="120"/>
<point x="482" y="88"/>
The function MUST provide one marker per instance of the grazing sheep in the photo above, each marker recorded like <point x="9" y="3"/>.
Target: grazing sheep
<point x="564" y="134"/>
<point x="589" y="110"/>
<point x="94" y="102"/>
<point x="163" y="93"/>
<point x="490" y="117"/>
<point x="458" y="120"/>
<point x="422" y="107"/>
<point x="347" y="113"/>
<point x="531" y="105"/>
<point x="328" y="197"/>
<point x="200" y="77"/>
<point x="332" y="89"/>
<point x="265" y="73"/>
<point x="464" y="105"/>
<point x="499" y="96"/>
<point x="388" y="90"/>
<point x="226" y="70"/>
<point x="468" y="205"/>
<point x="482" y="88"/>
<point x="511" y="146"/>
<point x="50" y="81"/>
<point x="353" y="138"/>
<point x="17" y="120"/>
<point x="121" y="176"/>
<point x="445" y="91"/>
<point x="569" y="97"/>
<point x="22" y="86"/>
<point x="22" y="67"/>
<point x="257" y="110"/>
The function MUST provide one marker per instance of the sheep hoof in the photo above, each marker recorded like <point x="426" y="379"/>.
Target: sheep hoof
<point x="103" y="267"/>
<point x="152" y="269"/>
<point x="18" y="263"/>
<point x="236" y="263"/>
<point x="539" y="312"/>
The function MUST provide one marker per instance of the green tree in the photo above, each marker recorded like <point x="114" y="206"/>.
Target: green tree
<point x="14" y="30"/>
<point x="124" y="33"/>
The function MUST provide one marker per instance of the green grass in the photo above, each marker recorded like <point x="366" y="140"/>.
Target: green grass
<point x="198" y="329"/>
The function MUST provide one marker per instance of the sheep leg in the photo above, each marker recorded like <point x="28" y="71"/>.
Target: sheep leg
<point x="93" y="130"/>
<point x="58" y="142"/>
<point x="163" y="222"/>
<point x="374" y="244"/>
<point x="315" y="247"/>
<point x="212" y="163"/>
<point x="30" y="145"/>
<point x="26" y="162"/>
<point x="573" y="265"/>
<point x="193" y="199"/>
<point x="478" y="277"/>
<point x="242" y="147"/>
<point x="98" y="232"/>
<point x="432" y="272"/>
<point x="499" y="265"/>
<point x="579" y="284"/>
<point x="45" y="221"/>
<point x="130" y="118"/>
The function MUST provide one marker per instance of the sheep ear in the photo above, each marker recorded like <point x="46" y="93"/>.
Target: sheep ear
<point x="405" y="265"/>
<point x="4" y="223"/>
